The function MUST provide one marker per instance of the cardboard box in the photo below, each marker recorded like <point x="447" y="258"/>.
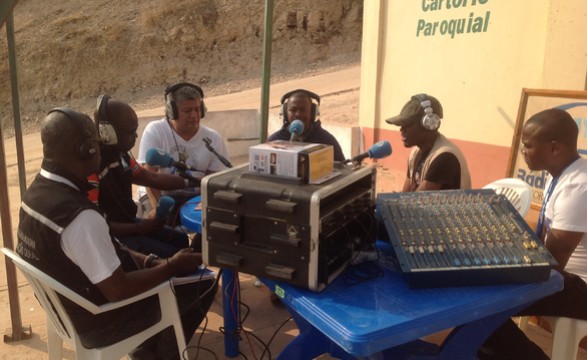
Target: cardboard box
<point x="310" y="162"/>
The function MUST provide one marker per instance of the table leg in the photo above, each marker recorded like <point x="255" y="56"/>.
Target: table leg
<point x="310" y="343"/>
<point x="230" y="310"/>
<point x="466" y="340"/>
<point x="462" y="343"/>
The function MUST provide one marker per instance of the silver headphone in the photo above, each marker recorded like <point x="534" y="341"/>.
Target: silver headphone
<point x="430" y="120"/>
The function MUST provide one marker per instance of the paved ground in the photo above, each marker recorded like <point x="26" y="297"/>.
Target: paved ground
<point x="266" y="322"/>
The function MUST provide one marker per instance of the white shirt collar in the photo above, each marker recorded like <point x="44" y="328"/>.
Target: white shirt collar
<point x="51" y="176"/>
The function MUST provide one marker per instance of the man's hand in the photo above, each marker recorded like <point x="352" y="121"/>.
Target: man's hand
<point x="185" y="262"/>
<point x="191" y="181"/>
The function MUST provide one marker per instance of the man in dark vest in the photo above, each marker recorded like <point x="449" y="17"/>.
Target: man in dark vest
<point x="435" y="163"/>
<point x="66" y="236"/>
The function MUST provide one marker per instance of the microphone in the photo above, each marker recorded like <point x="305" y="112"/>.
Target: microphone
<point x="164" y="207"/>
<point x="376" y="151"/>
<point x="158" y="157"/>
<point x="296" y="128"/>
<point x="222" y="159"/>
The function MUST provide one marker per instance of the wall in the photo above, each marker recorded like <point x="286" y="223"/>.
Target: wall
<point x="475" y="56"/>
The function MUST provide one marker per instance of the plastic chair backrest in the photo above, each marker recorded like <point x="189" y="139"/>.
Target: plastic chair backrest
<point x="45" y="289"/>
<point x="59" y="323"/>
<point x="517" y="191"/>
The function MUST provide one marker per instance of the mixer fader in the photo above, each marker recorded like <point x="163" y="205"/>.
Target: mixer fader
<point x="462" y="237"/>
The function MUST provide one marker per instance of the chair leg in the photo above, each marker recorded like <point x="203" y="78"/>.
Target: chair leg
<point x="523" y="322"/>
<point x="171" y="311"/>
<point x="54" y="343"/>
<point x="565" y="342"/>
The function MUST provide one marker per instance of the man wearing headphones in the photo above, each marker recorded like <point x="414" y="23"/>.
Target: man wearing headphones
<point x="435" y="163"/>
<point x="117" y="124"/>
<point x="65" y="235"/>
<point x="299" y="105"/>
<point x="181" y="136"/>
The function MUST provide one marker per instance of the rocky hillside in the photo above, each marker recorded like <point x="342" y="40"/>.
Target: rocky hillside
<point x="70" y="51"/>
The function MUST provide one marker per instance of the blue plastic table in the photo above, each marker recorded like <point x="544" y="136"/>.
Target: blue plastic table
<point x="382" y="318"/>
<point x="191" y="214"/>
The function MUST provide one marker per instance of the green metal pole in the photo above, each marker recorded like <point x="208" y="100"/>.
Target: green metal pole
<point x="268" y="34"/>
<point x="16" y="104"/>
<point x="6" y="7"/>
<point x="16" y="332"/>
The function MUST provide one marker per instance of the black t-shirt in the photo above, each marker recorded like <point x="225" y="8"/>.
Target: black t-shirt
<point x="444" y="170"/>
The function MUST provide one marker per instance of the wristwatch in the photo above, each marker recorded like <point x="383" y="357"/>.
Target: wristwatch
<point x="149" y="260"/>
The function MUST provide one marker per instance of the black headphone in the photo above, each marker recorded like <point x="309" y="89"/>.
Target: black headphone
<point x="430" y="120"/>
<point x="171" y="110"/>
<point x="86" y="147"/>
<point x="106" y="129"/>
<point x="285" y="99"/>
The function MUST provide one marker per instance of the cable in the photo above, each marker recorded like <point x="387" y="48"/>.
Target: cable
<point x="244" y="313"/>
<point x="198" y="302"/>
<point x="273" y="337"/>
<point x="365" y="271"/>
<point x="198" y="346"/>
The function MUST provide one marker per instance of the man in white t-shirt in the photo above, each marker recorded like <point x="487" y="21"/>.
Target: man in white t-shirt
<point x="549" y="142"/>
<point x="181" y="136"/>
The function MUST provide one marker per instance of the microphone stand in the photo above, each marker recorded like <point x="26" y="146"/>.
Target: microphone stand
<point x="222" y="159"/>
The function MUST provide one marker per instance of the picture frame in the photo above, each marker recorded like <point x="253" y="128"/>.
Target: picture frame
<point x="533" y="101"/>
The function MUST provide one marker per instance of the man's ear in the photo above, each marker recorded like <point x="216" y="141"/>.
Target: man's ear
<point x="555" y="147"/>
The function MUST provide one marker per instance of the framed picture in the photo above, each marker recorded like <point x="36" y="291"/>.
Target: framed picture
<point x="533" y="101"/>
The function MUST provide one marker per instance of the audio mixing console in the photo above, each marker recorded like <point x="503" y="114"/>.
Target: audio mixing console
<point x="461" y="238"/>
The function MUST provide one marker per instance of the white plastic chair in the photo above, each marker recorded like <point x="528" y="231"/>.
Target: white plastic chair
<point x="140" y="209"/>
<point x="517" y="191"/>
<point x="566" y="336"/>
<point x="60" y="327"/>
<point x="566" y="332"/>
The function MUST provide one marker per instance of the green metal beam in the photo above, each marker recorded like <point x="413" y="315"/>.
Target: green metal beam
<point x="267" y="38"/>
<point x="6" y="7"/>
<point x="16" y="103"/>
<point x="17" y="332"/>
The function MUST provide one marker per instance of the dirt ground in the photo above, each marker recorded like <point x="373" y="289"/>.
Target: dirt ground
<point x="69" y="52"/>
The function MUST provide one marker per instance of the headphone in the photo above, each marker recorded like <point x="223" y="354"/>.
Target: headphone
<point x="86" y="147"/>
<point x="106" y="129"/>
<point x="171" y="110"/>
<point x="430" y="120"/>
<point x="285" y="99"/>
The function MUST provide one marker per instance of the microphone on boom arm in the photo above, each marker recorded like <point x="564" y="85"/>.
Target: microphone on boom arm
<point x="222" y="159"/>
<point x="296" y="128"/>
<point x="376" y="151"/>
<point x="158" y="157"/>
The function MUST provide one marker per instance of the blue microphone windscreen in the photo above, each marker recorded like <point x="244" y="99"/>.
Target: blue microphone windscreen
<point x="164" y="206"/>
<point x="157" y="157"/>
<point x="296" y="127"/>
<point x="380" y="150"/>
